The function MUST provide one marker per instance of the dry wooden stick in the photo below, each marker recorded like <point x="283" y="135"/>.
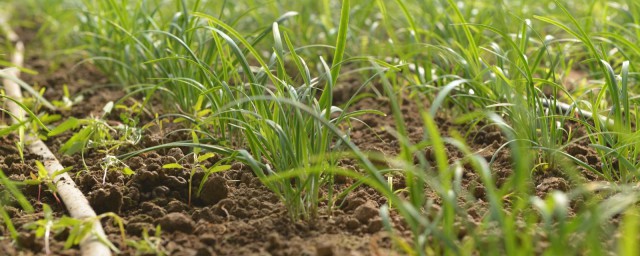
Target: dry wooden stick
<point x="75" y="202"/>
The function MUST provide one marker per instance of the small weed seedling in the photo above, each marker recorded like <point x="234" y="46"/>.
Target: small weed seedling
<point x="149" y="245"/>
<point x="110" y="162"/>
<point x="98" y="133"/>
<point x="23" y="124"/>
<point x="67" y="101"/>
<point x="10" y="190"/>
<point x="219" y="166"/>
<point x="43" y="177"/>
<point x="78" y="229"/>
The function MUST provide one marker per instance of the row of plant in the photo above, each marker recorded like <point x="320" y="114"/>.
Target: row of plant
<point x="264" y="96"/>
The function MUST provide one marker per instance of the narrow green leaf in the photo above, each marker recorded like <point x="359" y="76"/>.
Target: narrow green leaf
<point x="172" y="166"/>
<point x="65" y="170"/>
<point x="15" y="192"/>
<point x="127" y="171"/>
<point x="77" y="142"/>
<point x="206" y="156"/>
<point x="69" y="124"/>
<point x="219" y="168"/>
<point x="341" y="41"/>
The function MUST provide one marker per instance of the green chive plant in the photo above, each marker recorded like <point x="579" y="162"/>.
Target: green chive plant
<point x="245" y="87"/>
<point x="614" y="137"/>
<point x="187" y="57"/>
<point x="533" y="125"/>
<point x="227" y="93"/>
<point x="446" y="225"/>
<point x="282" y="122"/>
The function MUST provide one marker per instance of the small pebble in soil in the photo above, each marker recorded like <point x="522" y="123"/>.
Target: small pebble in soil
<point x="176" y="221"/>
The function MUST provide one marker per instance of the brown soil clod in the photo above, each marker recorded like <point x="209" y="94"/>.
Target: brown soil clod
<point x="552" y="183"/>
<point x="176" y="153"/>
<point x="366" y="211"/>
<point x="107" y="199"/>
<point x="214" y="190"/>
<point x="176" y="221"/>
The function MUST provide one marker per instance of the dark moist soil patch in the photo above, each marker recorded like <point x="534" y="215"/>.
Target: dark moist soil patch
<point x="237" y="215"/>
